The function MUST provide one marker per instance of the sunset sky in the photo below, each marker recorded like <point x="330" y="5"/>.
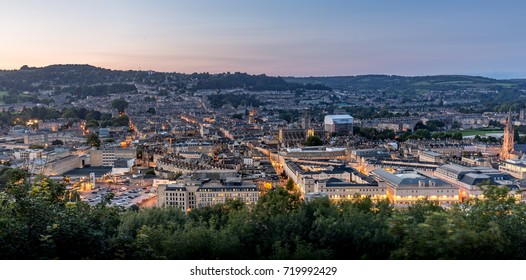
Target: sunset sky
<point x="300" y="38"/>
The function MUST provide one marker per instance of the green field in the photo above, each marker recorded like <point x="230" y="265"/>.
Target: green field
<point x="480" y="132"/>
<point x="456" y="83"/>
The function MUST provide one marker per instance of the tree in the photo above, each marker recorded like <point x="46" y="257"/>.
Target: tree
<point x="419" y="125"/>
<point x="150" y="173"/>
<point x="69" y="113"/>
<point x="457" y="136"/>
<point x="36" y="146"/>
<point x="434" y="125"/>
<point x="92" y="123"/>
<point x="93" y="115"/>
<point x="313" y="141"/>
<point x="119" y="104"/>
<point x="93" y="140"/>
<point x="290" y="185"/>
<point x="45" y="221"/>
<point x="237" y="116"/>
<point x="151" y="111"/>
<point x="438" y="135"/>
<point x="120" y="121"/>
<point x="422" y="134"/>
<point x="57" y="142"/>
<point x="404" y="136"/>
<point x="456" y="125"/>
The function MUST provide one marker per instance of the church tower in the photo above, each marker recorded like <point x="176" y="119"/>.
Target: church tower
<point x="507" y="145"/>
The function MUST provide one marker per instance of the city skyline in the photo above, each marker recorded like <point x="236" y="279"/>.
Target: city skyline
<point x="297" y="38"/>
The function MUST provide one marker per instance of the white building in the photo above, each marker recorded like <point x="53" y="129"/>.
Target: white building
<point x="339" y="124"/>
<point x="27" y="154"/>
<point x="248" y="161"/>
<point x="515" y="168"/>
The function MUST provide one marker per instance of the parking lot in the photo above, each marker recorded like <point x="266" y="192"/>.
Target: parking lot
<point x="123" y="195"/>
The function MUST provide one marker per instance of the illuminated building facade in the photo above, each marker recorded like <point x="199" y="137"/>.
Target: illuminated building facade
<point x="409" y="187"/>
<point x="192" y="195"/>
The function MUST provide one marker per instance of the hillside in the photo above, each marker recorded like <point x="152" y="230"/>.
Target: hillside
<point x="45" y="78"/>
<point x="386" y="82"/>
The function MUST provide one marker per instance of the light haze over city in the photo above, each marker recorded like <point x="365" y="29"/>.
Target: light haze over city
<point x="300" y="38"/>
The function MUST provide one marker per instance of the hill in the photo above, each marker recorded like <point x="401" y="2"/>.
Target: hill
<point x="387" y="82"/>
<point x="75" y="75"/>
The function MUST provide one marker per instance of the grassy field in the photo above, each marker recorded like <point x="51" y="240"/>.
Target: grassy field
<point x="456" y="83"/>
<point x="481" y="132"/>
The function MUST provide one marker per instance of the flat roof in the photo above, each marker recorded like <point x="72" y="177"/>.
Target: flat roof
<point x="339" y="116"/>
<point x="99" y="171"/>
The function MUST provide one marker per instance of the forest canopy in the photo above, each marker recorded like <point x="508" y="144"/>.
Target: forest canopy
<point x="43" y="220"/>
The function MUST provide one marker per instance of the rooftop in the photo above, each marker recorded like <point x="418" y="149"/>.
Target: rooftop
<point x="84" y="172"/>
<point x="408" y="178"/>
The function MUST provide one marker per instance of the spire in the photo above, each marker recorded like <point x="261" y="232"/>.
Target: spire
<point x="508" y="142"/>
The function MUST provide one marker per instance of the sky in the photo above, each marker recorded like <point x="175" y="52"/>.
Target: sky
<point x="275" y="37"/>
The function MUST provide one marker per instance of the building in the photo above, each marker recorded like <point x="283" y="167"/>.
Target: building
<point x="476" y="161"/>
<point x="122" y="166"/>
<point x="190" y="155"/>
<point x="315" y="153"/>
<point x="339" y="190"/>
<point x="515" y="168"/>
<point x="469" y="179"/>
<point x="106" y="157"/>
<point x="205" y="148"/>
<point x="409" y="187"/>
<point x="248" y="161"/>
<point x="176" y="195"/>
<point x="305" y="120"/>
<point x="341" y="124"/>
<point x="193" y="194"/>
<point x="251" y="115"/>
<point x="507" y="146"/>
<point x="216" y="193"/>
<point x="371" y="165"/>
<point x="104" y="132"/>
<point x="61" y="165"/>
<point x="362" y="155"/>
<point x="27" y="154"/>
<point x="36" y="139"/>
<point x="311" y="178"/>
<point x="293" y="137"/>
<point x="429" y="156"/>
